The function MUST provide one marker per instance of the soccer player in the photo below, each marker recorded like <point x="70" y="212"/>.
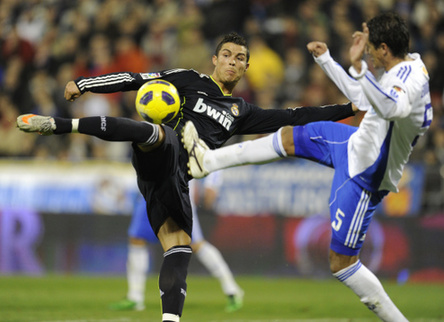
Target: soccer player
<point x="140" y="234"/>
<point x="159" y="158"/>
<point x="368" y="160"/>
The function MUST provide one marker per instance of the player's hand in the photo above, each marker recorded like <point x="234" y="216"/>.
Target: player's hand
<point x="357" y="49"/>
<point x="317" y="48"/>
<point x="72" y="92"/>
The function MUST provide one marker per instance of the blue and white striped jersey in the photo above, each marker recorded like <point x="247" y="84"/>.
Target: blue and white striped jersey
<point x="399" y="111"/>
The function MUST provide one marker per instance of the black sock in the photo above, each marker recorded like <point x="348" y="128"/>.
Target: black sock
<point x="62" y="125"/>
<point x="172" y="279"/>
<point x="111" y="128"/>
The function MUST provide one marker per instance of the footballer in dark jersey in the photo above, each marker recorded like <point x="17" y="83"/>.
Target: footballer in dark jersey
<point x="159" y="158"/>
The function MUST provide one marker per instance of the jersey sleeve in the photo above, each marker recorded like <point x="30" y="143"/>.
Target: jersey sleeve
<point x="261" y="121"/>
<point x="349" y="86"/>
<point x="125" y="81"/>
<point x="110" y="83"/>
<point x="391" y="102"/>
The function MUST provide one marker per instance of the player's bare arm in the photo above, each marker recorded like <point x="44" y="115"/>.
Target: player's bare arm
<point x="357" y="49"/>
<point x="72" y="92"/>
<point x="317" y="48"/>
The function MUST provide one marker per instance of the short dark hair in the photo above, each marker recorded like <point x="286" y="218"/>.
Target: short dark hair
<point x="389" y="28"/>
<point x="234" y="38"/>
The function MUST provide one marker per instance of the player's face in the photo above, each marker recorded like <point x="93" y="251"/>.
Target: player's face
<point x="376" y="54"/>
<point x="230" y="64"/>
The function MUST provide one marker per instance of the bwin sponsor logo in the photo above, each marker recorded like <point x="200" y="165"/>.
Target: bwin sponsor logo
<point x="223" y="118"/>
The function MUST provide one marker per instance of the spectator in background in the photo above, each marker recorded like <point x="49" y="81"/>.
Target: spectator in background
<point x="65" y="72"/>
<point x="294" y="74"/>
<point x="101" y="55"/>
<point x="223" y="16"/>
<point x="370" y="8"/>
<point x="267" y="66"/>
<point x="14" y="46"/>
<point x="129" y="56"/>
<point x="17" y="90"/>
<point x="12" y="143"/>
<point x="160" y="43"/>
<point x="311" y="19"/>
<point x="33" y="22"/>
<point x="194" y="51"/>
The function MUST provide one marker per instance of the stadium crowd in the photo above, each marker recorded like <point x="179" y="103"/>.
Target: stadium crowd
<point x="44" y="44"/>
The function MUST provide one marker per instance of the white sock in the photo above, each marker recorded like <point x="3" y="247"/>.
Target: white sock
<point x="170" y="317"/>
<point x="136" y="270"/>
<point x="261" y="150"/>
<point x="212" y="259"/>
<point x="367" y="286"/>
<point x="75" y="126"/>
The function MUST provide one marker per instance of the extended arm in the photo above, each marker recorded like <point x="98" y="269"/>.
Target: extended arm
<point x="267" y="121"/>
<point x="334" y="112"/>
<point x="346" y="84"/>
<point x="107" y="83"/>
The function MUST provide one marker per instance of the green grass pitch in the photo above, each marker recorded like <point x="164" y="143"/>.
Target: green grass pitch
<point x="85" y="299"/>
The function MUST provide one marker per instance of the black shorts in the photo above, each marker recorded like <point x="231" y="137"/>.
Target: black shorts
<point x="163" y="181"/>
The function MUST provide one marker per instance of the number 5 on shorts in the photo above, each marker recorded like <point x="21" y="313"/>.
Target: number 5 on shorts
<point x="336" y="224"/>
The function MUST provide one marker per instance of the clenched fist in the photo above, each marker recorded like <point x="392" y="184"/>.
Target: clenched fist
<point x="72" y="92"/>
<point x="317" y="48"/>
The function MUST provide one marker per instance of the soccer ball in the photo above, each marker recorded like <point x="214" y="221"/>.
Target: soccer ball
<point x="158" y="101"/>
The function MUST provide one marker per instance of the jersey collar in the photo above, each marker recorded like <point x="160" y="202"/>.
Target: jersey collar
<point x="219" y="87"/>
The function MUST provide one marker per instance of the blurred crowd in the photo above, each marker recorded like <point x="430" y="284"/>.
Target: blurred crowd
<point x="46" y="43"/>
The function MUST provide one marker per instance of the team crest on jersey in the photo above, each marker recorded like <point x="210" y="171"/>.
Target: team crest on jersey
<point x="150" y="75"/>
<point x="235" y="109"/>
<point x="394" y="92"/>
<point x="398" y="89"/>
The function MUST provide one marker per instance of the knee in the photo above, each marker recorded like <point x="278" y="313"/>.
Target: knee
<point x="137" y="241"/>
<point x="157" y="143"/>
<point x="339" y="262"/>
<point x="287" y="140"/>
<point x="196" y="246"/>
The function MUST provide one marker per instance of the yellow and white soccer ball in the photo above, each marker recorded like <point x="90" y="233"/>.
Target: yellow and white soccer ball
<point x="158" y="101"/>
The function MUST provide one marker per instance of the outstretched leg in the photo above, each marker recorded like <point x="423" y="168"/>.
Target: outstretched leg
<point x="104" y="127"/>
<point x="202" y="160"/>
